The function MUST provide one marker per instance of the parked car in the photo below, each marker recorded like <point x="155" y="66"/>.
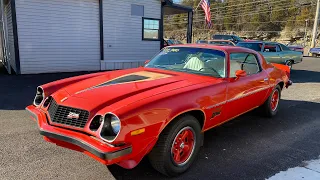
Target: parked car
<point x="202" y="42"/>
<point x="296" y="47"/>
<point x="235" y="39"/>
<point x="315" y="52"/>
<point x="221" y="42"/>
<point x="169" y="42"/>
<point x="160" y="110"/>
<point x="274" y="52"/>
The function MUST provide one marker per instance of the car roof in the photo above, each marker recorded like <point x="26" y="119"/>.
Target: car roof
<point x="251" y="42"/>
<point x="220" y="40"/>
<point x="227" y="49"/>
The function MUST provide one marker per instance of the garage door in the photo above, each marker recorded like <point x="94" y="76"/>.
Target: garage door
<point x="58" y="35"/>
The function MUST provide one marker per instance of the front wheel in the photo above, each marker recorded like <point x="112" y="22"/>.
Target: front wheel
<point x="177" y="146"/>
<point x="290" y="64"/>
<point x="271" y="105"/>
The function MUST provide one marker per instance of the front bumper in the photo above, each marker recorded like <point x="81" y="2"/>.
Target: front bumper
<point x="99" y="150"/>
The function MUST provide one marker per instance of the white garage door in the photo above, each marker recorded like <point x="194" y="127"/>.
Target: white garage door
<point x="58" y="35"/>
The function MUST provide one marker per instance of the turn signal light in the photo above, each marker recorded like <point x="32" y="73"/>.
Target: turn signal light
<point x="137" y="132"/>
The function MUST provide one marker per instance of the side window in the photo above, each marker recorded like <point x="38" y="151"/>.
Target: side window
<point x="243" y="61"/>
<point x="250" y="65"/>
<point x="284" y="48"/>
<point x="278" y="48"/>
<point x="270" y="48"/>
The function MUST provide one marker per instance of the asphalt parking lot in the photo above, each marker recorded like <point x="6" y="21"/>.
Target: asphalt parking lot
<point x="249" y="147"/>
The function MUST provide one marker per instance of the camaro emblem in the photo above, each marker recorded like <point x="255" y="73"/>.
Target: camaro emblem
<point x="73" y="115"/>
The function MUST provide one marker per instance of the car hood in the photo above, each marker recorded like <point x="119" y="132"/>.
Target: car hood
<point x="122" y="86"/>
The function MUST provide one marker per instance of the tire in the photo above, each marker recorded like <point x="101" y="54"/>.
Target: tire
<point x="163" y="157"/>
<point x="314" y="55"/>
<point x="289" y="63"/>
<point x="271" y="106"/>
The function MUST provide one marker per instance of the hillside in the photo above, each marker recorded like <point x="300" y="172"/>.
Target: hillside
<point x="254" y="19"/>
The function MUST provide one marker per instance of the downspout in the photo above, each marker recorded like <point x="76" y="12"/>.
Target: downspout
<point x="15" y="36"/>
<point x="101" y="31"/>
<point x="161" y="29"/>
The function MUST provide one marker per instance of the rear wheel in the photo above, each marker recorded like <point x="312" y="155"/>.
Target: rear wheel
<point x="314" y="55"/>
<point x="271" y="105"/>
<point x="177" y="146"/>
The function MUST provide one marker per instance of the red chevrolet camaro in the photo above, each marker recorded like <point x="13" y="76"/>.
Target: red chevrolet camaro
<point x="160" y="110"/>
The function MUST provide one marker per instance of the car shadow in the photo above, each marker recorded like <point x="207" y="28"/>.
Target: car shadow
<point x="305" y="76"/>
<point x="250" y="146"/>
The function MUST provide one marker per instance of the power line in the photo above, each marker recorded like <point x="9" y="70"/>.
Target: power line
<point x="267" y="3"/>
<point x="282" y="8"/>
<point x="250" y="22"/>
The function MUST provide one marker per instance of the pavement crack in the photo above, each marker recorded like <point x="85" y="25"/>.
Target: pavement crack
<point x="312" y="170"/>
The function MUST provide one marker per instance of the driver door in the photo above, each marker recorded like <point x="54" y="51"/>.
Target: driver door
<point x="245" y="93"/>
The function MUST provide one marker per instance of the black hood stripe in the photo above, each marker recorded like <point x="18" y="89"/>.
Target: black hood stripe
<point x="133" y="77"/>
<point x="124" y="79"/>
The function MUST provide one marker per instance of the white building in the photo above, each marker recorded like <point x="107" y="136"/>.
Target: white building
<point x="41" y="36"/>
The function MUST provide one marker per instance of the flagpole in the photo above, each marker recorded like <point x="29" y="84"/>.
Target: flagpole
<point x="197" y="6"/>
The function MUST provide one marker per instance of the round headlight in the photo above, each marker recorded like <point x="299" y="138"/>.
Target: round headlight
<point x="115" y="124"/>
<point x="39" y="96"/>
<point x="110" y="127"/>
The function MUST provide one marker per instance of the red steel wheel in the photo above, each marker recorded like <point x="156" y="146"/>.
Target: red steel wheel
<point x="275" y="100"/>
<point x="183" y="146"/>
<point x="177" y="146"/>
<point x="271" y="106"/>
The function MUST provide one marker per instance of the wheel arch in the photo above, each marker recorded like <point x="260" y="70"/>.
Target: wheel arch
<point x="197" y="113"/>
<point x="290" y="60"/>
<point x="281" y="84"/>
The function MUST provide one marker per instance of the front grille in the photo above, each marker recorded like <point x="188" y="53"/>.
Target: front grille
<point x="59" y="114"/>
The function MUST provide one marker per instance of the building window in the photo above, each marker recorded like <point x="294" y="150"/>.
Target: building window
<point x="151" y="29"/>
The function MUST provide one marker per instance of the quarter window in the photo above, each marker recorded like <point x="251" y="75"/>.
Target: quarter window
<point x="284" y="48"/>
<point x="243" y="61"/>
<point x="151" y="29"/>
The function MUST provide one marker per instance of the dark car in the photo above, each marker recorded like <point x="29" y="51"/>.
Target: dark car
<point x="169" y="42"/>
<point x="202" y="42"/>
<point x="235" y="39"/>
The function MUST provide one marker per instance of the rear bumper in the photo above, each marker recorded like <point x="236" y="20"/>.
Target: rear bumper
<point x="99" y="150"/>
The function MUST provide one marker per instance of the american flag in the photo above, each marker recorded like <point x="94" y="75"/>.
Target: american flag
<point x="205" y="4"/>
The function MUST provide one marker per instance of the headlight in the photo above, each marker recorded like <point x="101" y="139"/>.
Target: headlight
<point x="111" y="126"/>
<point x="115" y="124"/>
<point x="39" y="96"/>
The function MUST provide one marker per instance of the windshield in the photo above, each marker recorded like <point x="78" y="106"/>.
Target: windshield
<point x="200" y="61"/>
<point x="253" y="46"/>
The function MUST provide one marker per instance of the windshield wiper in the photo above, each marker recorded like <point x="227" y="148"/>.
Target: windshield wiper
<point x="159" y="66"/>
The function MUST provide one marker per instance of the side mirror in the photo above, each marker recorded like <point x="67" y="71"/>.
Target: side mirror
<point x="147" y="61"/>
<point x="240" y="73"/>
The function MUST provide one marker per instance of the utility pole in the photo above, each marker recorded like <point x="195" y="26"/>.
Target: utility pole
<point x="315" y="25"/>
<point x="305" y="33"/>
